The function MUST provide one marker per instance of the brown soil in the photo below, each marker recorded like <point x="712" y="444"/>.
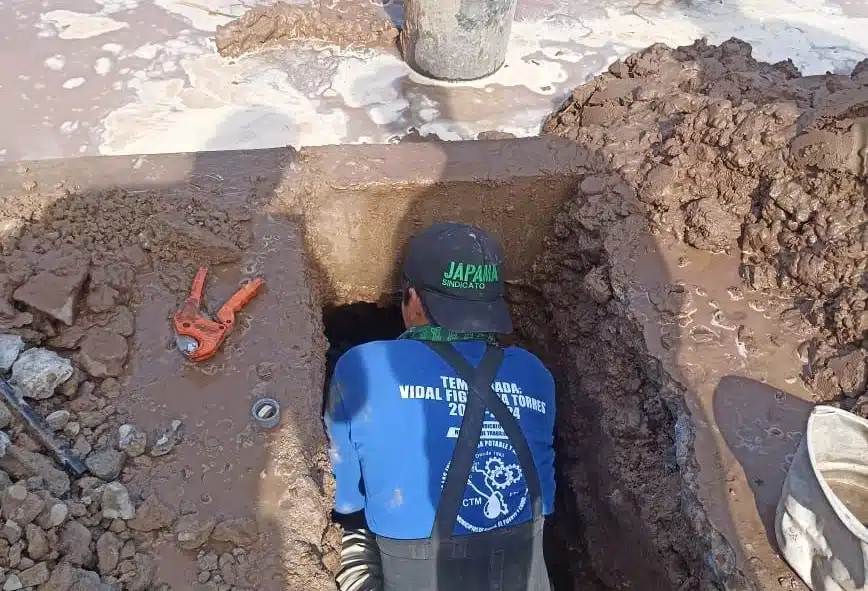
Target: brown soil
<point x="206" y="486"/>
<point x="700" y="145"/>
<point x="344" y="23"/>
<point x="695" y="156"/>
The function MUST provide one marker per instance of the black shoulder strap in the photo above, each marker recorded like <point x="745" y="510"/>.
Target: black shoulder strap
<point x="479" y="380"/>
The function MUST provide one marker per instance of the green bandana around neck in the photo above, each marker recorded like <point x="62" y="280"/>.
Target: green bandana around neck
<point x="439" y="334"/>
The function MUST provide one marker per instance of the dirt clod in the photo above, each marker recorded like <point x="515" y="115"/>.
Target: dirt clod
<point x="239" y="531"/>
<point x="151" y="515"/>
<point x="54" y="292"/>
<point x="103" y="353"/>
<point x="340" y="23"/>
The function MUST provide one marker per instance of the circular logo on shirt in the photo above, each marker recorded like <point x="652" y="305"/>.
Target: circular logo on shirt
<point x="496" y="491"/>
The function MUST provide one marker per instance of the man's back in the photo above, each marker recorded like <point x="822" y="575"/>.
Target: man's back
<point x="394" y="414"/>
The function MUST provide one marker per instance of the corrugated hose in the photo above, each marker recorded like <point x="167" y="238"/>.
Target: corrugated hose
<point x="360" y="562"/>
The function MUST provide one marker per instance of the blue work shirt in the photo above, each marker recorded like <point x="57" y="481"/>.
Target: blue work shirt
<point x="393" y="416"/>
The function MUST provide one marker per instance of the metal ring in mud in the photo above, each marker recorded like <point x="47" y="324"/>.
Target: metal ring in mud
<point x="266" y="413"/>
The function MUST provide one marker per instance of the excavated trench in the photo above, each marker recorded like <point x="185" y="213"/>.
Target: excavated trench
<point x="686" y="250"/>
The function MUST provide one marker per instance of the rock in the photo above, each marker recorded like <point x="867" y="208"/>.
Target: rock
<point x="5" y="416"/>
<point x="103" y="353"/>
<point x="62" y="578"/>
<point x="35" y="575"/>
<point x="109" y="388"/>
<point x="21" y="463"/>
<point x="145" y="571"/>
<point x="72" y="429"/>
<point x="11" y="346"/>
<point x="12" y="583"/>
<point x="102" y="298"/>
<point x="240" y="531"/>
<point x="54" y="292"/>
<point x="208" y="562"/>
<point x="19" y="505"/>
<point x="152" y="515"/>
<point x="166" y="439"/>
<point x="75" y="543"/>
<point x="4" y="442"/>
<point x="108" y="551"/>
<point x="106" y="463"/>
<point x="116" y="503"/>
<point x="192" y="531"/>
<point x="122" y="321"/>
<point x="53" y="514"/>
<point x="39" y="372"/>
<point x="86" y="580"/>
<point x="37" y="542"/>
<point x="82" y="446"/>
<point x="68" y="338"/>
<point x="11" y="531"/>
<point x="58" y="419"/>
<point x="91" y="419"/>
<point x="10" y="231"/>
<point x="132" y="440"/>
<point x="852" y="372"/>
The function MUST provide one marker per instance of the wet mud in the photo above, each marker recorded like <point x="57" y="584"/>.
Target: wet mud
<point x="703" y="286"/>
<point x="183" y="492"/>
<point x="357" y="24"/>
<point x="711" y="269"/>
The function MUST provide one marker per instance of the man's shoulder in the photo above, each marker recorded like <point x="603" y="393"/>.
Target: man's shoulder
<point x="516" y="354"/>
<point x="373" y="350"/>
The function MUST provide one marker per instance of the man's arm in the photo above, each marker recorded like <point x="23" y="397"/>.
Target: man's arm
<point x="346" y="466"/>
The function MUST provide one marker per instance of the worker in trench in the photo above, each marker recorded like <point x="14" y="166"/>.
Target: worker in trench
<point x="442" y="437"/>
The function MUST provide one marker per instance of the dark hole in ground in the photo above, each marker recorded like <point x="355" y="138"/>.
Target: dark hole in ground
<point x="363" y="322"/>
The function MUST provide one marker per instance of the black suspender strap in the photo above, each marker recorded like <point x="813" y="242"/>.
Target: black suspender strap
<point x="482" y="397"/>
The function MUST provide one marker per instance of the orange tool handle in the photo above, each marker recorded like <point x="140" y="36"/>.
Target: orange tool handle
<point x="242" y="297"/>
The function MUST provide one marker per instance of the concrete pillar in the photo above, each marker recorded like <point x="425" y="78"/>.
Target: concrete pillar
<point x="456" y="39"/>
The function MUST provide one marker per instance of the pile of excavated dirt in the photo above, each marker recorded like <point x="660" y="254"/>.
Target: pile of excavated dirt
<point x="700" y="145"/>
<point x="733" y="155"/>
<point x="358" y="24"/>
<point x="71" y="276"/>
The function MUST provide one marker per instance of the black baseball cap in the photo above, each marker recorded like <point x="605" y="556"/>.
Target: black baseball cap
<point x="457" y="269"/>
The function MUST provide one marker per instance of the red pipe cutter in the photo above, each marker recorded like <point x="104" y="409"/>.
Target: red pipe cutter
<point x="198" y="336"/>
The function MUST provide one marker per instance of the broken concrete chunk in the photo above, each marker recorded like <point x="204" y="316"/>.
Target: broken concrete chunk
<point x="166" y="439"/>
<point x="241" y="531"/>
<point x="54" y="292"/>
<point x="116" y="502"/>
<point x="11" y="346"/>
<point x="39" y="372"/>
<point x="152" y="514"/>
<point x="103" y="353"/>
<point x="172" y="233"/>
<point x="132" y="440"/>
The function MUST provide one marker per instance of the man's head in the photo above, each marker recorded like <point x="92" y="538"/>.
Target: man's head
<point x="453" y="277"/>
